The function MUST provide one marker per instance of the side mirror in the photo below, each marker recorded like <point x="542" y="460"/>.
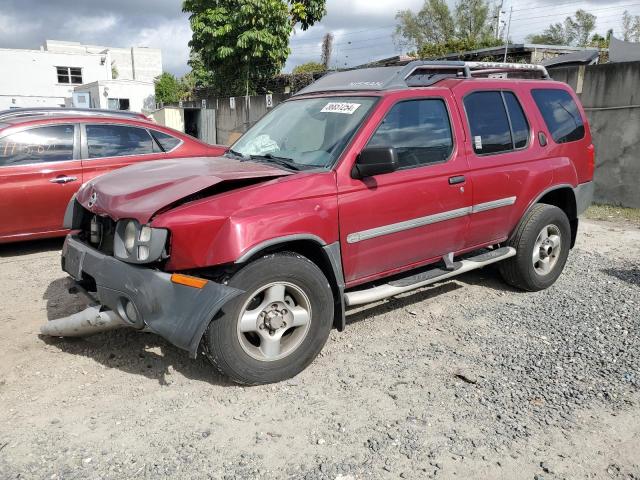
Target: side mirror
<point x="375" y="161"/>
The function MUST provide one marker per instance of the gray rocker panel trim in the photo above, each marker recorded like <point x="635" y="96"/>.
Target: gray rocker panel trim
<point x="428" y="220"/>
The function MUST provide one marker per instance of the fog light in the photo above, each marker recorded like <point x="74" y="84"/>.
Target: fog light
<point x="130" y="312"/>
<point x="143" y="253"/>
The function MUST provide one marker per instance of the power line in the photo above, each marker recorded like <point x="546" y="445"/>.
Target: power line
<point x="556" y="14"/>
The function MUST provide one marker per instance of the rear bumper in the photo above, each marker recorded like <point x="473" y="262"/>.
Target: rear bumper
<point x="584" y="196"/>
<point x="178" y="313"/>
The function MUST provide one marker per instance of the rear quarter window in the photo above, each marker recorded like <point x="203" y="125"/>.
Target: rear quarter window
<point x="560" y="113"/>
<point x="166" y="141"/>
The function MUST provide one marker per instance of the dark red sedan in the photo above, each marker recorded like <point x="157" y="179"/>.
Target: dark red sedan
<point x="45" y="158"/>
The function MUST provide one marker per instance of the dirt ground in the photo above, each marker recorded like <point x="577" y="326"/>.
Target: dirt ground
<point x="465" y="379"/>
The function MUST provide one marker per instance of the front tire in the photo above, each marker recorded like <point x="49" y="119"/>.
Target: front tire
<point x="542" y="242"/>
<point x="278" y="325"/>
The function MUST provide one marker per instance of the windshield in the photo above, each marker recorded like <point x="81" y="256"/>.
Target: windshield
<point x="307" y="133"/>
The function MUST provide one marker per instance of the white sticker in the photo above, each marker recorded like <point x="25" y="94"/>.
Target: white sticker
<point x="340" y="107"/>
<point x="478" y="141"/>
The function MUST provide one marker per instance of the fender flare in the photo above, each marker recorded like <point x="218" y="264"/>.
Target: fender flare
<point x="333" y="255"/>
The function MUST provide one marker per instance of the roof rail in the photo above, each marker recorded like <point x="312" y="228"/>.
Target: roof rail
<point x="36" y="111"/>
<point x="419" y="73"/>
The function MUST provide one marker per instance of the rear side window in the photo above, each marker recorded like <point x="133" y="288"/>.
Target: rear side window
<point x="560" y="113"/>
<point x="419" y="130"/>
<point x="117" y="141"/>
<point x="53" y="143"/>
<point x="497" y="122"/>
<point x="166" y="141"/>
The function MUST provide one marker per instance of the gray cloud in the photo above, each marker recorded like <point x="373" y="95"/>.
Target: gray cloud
<point x="362" y="28"/>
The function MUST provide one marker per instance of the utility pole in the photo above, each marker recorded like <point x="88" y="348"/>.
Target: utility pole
<point x="506" y="40"/>
<point x="498" y="19"/>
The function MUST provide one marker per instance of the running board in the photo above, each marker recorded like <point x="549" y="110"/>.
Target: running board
<point x="406" y="284"/>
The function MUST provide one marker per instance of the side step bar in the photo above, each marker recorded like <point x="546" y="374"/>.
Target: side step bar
<point x="396" y="287"/>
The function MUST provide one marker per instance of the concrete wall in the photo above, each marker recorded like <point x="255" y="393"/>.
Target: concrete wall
<point x="610" y="94"/>
<point x="233" y="122"/>
<point x="29" y="77"/>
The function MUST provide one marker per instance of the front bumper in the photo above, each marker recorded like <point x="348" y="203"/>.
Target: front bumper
<point x="178" y="313"/>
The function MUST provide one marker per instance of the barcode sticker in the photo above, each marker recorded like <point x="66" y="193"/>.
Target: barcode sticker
<point x="340" y="107"/>
<point x="478" y="141"/>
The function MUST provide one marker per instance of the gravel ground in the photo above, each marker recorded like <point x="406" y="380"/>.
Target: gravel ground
<point x="466" y="379"/>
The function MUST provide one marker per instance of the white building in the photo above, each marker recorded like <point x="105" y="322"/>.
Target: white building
<point x="60" y="72"/>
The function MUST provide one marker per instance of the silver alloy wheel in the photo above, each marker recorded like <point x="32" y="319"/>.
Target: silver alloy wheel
<point x="546" y="250"/>
<point x="274" y="321"/>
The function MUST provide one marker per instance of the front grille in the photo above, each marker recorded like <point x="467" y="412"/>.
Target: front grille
<point x="99" y="232"/>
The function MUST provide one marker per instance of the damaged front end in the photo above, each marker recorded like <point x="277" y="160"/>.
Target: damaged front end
<point x="176" y="307"/>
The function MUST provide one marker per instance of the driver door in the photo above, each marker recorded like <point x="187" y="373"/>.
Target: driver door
<point x="400" y="220"/>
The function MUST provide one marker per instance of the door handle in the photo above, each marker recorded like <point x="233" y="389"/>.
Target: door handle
<point x="457" y="179"/>
<point x="63" y="180"/>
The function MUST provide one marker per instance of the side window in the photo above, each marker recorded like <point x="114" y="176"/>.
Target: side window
<point x="560" y="113"/>
<point x="117" y="141"/>
<point x="497" y="122"/>
<point x="52" y="143"/>
<point x="419" y="130"/>
<point x="166" y="141"/>
<point x="519" y="125"/>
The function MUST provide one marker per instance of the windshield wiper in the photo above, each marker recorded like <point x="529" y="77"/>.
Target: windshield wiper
<point x="281" y="161"/>
<point x="236" y="154"/>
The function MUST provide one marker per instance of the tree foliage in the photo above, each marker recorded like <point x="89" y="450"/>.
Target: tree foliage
<point x="574" y="31"/>
<point x="168" y="88"/>
<point x="309" y="67"/>
<point x="243" y="41"/>
<point x="630" y="27"/>
<point x="435" y="30"/>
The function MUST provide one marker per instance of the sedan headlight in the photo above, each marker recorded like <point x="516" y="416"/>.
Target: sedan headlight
<point x="135" y="243"/>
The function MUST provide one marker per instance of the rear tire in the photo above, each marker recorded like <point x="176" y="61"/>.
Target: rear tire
<point x="277" y="327"/>
<point x="542" y="242"/>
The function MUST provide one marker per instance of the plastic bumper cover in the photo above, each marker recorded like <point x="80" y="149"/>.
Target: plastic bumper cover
<point x="178" y="313"/>
<point x="584" y="196"/>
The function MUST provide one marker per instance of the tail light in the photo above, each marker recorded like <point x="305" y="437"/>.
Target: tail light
<point x="591" y="161"/>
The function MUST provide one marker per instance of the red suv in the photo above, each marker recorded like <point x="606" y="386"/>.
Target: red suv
<point x="46" y="154"/>
<point x="364" y="185"/>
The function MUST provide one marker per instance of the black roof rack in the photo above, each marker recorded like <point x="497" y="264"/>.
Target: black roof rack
<point x="420" y="73"/>
<point x="54" y="111"/>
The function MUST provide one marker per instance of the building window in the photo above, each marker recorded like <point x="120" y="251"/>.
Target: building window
<point x="69" y="75"/>
<point x="118" y="104"/>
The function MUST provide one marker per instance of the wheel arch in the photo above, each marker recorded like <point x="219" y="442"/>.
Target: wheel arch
<point x="562" y="196"/>
<point x="326" y="256"/>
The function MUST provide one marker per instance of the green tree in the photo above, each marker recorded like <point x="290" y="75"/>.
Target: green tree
<point x="168" y="88"/>
<point x="435" y="30"/>
<point x="309" y="67"/>
<point x="630" y="27"/>
<point x="574" y="31"/>
<point x="243" y="41"/>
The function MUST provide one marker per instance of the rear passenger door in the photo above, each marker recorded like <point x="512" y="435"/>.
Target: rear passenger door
<point x="505" y="162"/>
<point x="108" y="146"/>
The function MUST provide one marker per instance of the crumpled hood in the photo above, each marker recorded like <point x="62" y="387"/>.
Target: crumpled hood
<point x="139" y="191"/>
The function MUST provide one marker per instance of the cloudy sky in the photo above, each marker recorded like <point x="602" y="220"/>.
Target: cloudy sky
<point x="362" y="28"/>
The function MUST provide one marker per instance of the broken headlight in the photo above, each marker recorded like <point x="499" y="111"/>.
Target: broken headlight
<point x="135" y="243"/>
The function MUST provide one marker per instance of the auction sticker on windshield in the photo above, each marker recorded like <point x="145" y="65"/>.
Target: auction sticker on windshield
<point x="340" y="107"/>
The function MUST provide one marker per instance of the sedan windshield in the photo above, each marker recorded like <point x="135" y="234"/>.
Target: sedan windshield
<point x="303" y="134"/>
